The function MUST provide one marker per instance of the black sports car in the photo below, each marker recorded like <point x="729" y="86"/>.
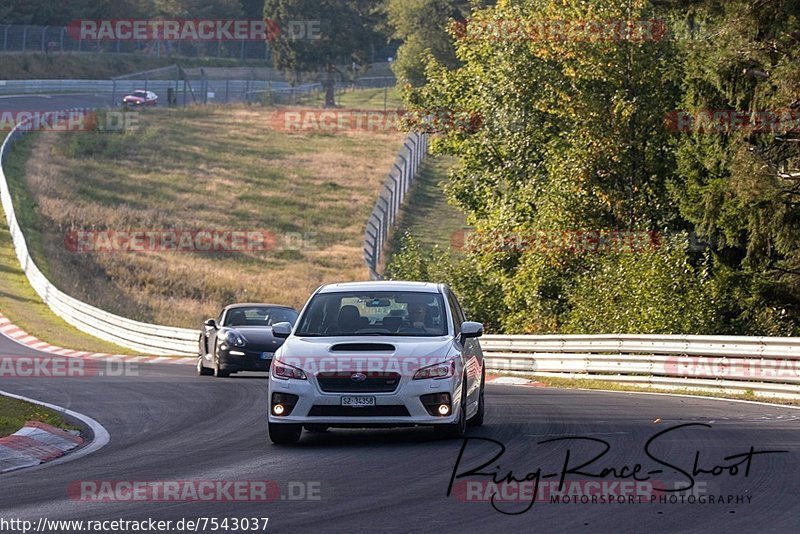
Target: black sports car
<point x="241" y="339"/>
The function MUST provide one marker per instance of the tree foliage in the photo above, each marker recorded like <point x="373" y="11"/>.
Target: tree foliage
<point x="422" y="26"/>
<point x="348" y="29"/>
<point x="574" y="139"/>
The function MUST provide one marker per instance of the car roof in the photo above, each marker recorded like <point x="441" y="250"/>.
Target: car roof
<point x="381" y="285"/>
<point x="256" y="304"/>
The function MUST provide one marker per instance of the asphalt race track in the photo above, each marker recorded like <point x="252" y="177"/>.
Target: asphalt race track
<point x="44" y="103"/>
<point x="166" y="424"/>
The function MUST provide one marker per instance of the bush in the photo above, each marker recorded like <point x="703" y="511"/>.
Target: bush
<point x="650" y="292"/>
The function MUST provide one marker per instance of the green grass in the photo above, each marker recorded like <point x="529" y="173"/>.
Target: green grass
<point x="585" y="383"/>
<point x="427" y="216"/>
<point x="20" y="303"/>
<point x="388" y="98"/>
<point x="15" y="413"/>
<point x="200" y="168"/>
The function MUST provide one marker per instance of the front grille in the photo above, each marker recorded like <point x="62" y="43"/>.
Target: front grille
<point x="370" y="383"/>
<point x="364" y="411"/>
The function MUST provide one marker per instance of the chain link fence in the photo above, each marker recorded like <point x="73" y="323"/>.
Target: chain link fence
<point x="391" y="199"/>
<point x="57" y="39"/>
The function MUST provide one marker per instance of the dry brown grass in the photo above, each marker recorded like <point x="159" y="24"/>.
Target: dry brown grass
<point x="202" y="168"/>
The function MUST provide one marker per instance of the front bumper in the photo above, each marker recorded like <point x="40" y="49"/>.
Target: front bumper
<point x="249" y="361"/>
<point x="402" y="407"/>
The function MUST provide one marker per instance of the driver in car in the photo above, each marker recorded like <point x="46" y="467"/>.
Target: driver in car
<point x="419" y="316"/>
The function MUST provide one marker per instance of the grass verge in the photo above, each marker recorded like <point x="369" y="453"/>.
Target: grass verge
<point x="15" y="413"/>
<point x="18" y="301"/>
<point x="584" y="383"/>
<point x="201" y="168"/>
<point x="427" y="215"/>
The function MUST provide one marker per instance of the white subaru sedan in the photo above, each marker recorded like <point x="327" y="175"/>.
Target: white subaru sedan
<point x="377" y="354"/>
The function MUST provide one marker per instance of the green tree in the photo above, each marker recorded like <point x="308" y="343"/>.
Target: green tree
<point x="422" y="25"/>
<point x="572" y="139"/>
<point x="740" y="186"/>
<point x="347" y="32"/>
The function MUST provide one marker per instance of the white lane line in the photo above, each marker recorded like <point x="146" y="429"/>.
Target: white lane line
<point x="23" y="95"/>
<point x="101" y="435"/>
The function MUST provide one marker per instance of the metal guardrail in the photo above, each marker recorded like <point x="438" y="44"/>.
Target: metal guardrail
<point x="143" y="337"/>
<point x="763" y="365"/>
<point x="391" y="199"/>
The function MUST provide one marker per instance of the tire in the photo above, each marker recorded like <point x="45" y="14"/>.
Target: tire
<point x="202" y="370"/>
<point x="459" y="428"/>
<point x="218" y="371"/>
<point x="316" y="429"/>
<point x="284" y="433"/>
<point x="477" y="419"/>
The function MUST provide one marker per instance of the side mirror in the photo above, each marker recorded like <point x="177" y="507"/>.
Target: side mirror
<point x="282" y="329"/>
<point x="470" y="329"/>
<point x="211" y="323"/>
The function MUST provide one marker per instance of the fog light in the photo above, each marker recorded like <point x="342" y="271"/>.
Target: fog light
<point x="444" y="409"/>
<point x="278" y="409"/>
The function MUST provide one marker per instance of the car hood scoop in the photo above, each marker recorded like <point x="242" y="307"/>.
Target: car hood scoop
<point x="362" y="347"/>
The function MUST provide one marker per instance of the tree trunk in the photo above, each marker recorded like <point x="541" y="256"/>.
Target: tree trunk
<point x="329" y="84"/>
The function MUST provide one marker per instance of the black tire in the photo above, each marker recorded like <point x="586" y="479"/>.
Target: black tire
<point x="284" y="433"/>
<point x="316" y="429"/>
<point x="202" y="370"/>
<point x="477" y="419"/>
<point x="459" y="428"/>
<point x="219" y="372"/>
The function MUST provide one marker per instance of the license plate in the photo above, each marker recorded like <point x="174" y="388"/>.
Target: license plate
<point x="267" y="355"/>
<point x="358" y="401"/>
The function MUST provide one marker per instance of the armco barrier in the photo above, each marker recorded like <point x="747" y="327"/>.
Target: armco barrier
<point x="763" y="365"/>
<point x="143" y="337"/>
<point x="391" y="199"/>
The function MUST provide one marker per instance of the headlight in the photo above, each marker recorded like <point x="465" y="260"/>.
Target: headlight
<point x="234" y="339"/>
<point x="439" y="370"/>
<point x="286" y="371"/>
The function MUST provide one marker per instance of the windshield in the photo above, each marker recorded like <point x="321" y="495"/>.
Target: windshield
<point x="140" y="94"/>
<point x="390" y="313"/>
<point x="259" y="316"/>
